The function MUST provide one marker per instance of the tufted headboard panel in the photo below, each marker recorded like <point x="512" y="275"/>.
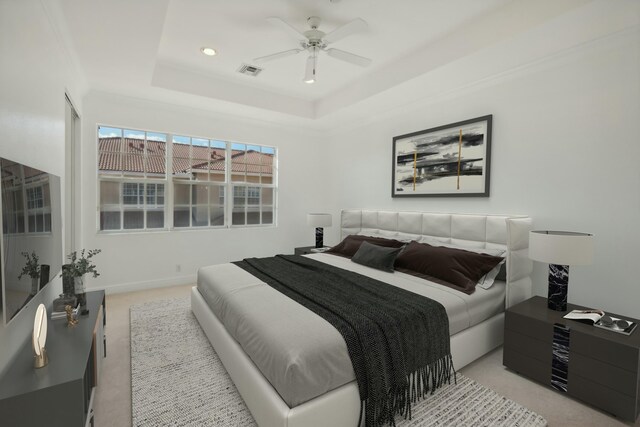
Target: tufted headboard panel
<point x="510" y="232"/>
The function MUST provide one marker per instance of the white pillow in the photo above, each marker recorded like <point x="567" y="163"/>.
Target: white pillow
<point x="487" y="280"/>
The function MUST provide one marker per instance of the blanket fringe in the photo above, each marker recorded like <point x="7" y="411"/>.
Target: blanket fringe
<point x="425" y="380"/>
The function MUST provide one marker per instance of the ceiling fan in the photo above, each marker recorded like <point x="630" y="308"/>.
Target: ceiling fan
<point x="315" y="41"/>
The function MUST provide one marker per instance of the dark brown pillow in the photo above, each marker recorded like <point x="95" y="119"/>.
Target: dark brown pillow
<point x="350" y="245"/>
<point x="456" y="268"/>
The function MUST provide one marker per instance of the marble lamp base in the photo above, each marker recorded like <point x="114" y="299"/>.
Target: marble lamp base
<point x="558" y="287"/>
<point x="319" y="237"/>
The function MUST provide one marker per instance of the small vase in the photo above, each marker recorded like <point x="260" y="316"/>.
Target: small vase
<point x="34" y="285"/>
<point x="80" y="293"/>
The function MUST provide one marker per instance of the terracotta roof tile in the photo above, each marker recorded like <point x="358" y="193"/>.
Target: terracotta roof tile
<point x="117" y="155"/>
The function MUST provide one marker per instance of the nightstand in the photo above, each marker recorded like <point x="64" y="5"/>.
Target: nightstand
<point x="305" y="250"/>
<point x="603" y="366"/>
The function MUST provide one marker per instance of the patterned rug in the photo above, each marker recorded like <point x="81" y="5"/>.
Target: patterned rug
<point x="177" y="379"/>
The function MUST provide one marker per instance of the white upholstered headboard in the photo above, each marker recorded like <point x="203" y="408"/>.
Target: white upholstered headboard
<point x="510" y="232"/>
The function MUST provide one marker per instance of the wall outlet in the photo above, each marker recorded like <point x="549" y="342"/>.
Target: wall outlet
<point x="178" y="268"/>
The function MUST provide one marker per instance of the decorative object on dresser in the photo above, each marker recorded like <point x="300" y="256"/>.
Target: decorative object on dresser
<point x="560" y="249"/>
<point x="319" y="220"/>
<point x="39" y="337"/>
<point x="594" y="365"/>
<point x="71" y="316"/>
<point x="449" y="160"/>
<point x="76" y="269"/>
<point x="602" y="320"/>
<point x="63" y="391"/>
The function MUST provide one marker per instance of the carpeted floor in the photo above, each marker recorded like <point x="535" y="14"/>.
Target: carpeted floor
<point x="112" y="404"/>
<point x="177" y="379"/>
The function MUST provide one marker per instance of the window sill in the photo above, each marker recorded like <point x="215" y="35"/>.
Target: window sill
<point x="179" y="229"/>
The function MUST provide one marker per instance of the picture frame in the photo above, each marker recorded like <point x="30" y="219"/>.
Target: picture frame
<point x="453" y="160"/>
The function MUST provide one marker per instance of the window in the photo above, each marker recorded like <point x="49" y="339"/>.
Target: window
<point x="199" y="176"/>
<point x="135" y="183"/>
<point x="133" y="175"/>
<point x="252" y="172"/>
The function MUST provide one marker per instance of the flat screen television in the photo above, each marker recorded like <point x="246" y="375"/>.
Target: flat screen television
<point x="31" y="244"/>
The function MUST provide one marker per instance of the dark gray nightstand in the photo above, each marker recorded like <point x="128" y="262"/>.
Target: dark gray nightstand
<point x="603" y="366"/>
<point x="304" y="250"/>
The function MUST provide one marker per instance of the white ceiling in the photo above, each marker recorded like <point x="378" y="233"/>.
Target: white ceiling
<point x="151" y="48"/>
<point x="240" y="32"/>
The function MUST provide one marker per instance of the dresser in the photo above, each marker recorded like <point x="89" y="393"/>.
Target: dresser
<point x="602" y="369"/>
<point x="60" y="393"/>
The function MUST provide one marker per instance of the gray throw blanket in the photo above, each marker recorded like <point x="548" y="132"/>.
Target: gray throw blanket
<point x="398" y="341"/>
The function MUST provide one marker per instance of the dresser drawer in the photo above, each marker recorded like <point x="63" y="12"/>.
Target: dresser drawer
<point x="536" y="329"/>
<point x="608" y="351"/>
<point x="602" y="373"/>
<point x="536" y="349"/>
<point x="612" y="401"/>
<point x="526" y="365"/>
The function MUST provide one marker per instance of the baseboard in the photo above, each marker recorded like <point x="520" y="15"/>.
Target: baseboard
<point x="149" y="284"/>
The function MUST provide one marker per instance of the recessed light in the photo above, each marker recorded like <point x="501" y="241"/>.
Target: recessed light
<point x="209" y="51"/>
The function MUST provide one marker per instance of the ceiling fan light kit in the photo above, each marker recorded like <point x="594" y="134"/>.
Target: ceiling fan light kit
<point x="310" y="72"/>
<point x="315" y="41"/>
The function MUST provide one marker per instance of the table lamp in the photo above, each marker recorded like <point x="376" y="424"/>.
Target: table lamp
<point x="560" y="249"/>
<point x="319" y="220"/>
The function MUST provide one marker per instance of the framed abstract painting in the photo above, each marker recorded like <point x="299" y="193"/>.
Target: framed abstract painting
<point x="449" y="160"/>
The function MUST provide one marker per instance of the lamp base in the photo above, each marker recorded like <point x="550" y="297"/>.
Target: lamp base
<point x="558" y="287"/>
<point x="41" y="360"/>
<point x="319" y="237"/>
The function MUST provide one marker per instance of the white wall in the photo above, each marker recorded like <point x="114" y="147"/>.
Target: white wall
<point x="565" y="151"/>
<point x="35" y="72"/>
<point x="148" y="259"/>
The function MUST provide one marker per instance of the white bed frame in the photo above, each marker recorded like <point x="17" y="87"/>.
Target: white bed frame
<point x="340" y="407"/>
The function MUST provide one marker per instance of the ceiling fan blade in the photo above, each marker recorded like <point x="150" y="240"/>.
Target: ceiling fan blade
<point x="348" y="57"/>
<point x="287" y="28"/>
<point x="355" y="26"/>
<point x="277" y="55"/>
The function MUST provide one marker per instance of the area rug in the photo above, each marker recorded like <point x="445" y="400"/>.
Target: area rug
<point x="177" y="379"/>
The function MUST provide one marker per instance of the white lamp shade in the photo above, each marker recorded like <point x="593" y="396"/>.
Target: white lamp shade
<point x="319" y="219"/>
<point x="561" y="247"/>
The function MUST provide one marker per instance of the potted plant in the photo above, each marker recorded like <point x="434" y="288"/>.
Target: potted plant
<point x="75" y="270"/>
<point x="31" y="269"/>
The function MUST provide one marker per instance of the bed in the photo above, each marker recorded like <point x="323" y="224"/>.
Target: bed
<point x="251" y="348"/>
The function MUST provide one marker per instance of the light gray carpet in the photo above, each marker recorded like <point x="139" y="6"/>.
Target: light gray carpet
<point x="177" y="379"/>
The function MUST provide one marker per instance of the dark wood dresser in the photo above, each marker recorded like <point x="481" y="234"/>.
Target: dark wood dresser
<point x="61" y="393"/>
<point x="603" y="367"/>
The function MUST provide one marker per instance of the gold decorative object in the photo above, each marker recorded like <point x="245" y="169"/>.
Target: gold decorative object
<point x="71" y="320"/>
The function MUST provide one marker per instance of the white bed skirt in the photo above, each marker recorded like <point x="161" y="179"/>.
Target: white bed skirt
<point x="339" y="407"/>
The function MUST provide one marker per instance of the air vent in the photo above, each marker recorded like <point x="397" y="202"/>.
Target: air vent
<point x="250" y="70"/>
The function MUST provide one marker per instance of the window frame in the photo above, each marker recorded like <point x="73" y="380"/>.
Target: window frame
<point x="170" y="182"/>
